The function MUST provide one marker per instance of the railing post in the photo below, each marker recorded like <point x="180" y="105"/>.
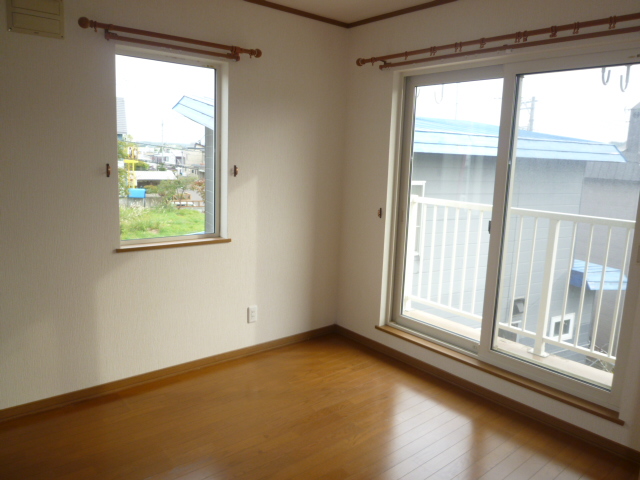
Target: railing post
<point x="547" y="287"/>
<point x="411" y="252"/>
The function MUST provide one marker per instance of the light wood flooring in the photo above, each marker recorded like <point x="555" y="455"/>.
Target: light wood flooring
<point x="322" y="409"/>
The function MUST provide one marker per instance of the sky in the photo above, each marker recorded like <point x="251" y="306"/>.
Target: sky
<point x="572" y="103"/>
<point x="151" y="89"/>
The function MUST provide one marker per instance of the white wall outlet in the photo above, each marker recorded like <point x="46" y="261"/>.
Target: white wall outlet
<point x="252" y="314"/>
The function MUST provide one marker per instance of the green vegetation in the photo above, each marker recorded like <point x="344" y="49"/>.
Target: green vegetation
<point x="123" y="182"/>
<point x="175" y="189"/>
<point x="140" y="165"/>
<point x="164" y="221"/>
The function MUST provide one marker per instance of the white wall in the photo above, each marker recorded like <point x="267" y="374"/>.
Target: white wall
<point x="73" y="313"/>
<point x="365" y="238"/>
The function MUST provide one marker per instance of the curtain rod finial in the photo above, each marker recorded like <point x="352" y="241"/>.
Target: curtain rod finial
<point x="84" y="22"/>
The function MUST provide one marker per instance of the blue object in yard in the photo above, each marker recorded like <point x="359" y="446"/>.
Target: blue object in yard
<point x="594" y="277"/>
<point x="137" y="192"/>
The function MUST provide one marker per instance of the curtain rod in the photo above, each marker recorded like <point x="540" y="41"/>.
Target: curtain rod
<point x="520" y="41"/>
<point x="234" y="54"/>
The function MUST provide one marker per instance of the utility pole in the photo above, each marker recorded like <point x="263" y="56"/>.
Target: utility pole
<point x="531" y="108"/>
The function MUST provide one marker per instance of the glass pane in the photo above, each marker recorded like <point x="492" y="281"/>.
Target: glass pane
<point x="452" y="176"/>
<point x="166" y="122"/>
<point x="570" y="220"/>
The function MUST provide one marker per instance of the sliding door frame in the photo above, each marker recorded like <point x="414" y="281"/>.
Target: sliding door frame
<point x="511" y="69"/>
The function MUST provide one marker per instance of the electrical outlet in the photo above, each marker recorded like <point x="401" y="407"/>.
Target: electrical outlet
<point x="252" y="314"/>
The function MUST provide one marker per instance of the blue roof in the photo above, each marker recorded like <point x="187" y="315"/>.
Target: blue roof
<point x="594" y="276"/>
<point x="199" y="109"/>
<point x="137" y="193"/>
<point x="458" y="137"/>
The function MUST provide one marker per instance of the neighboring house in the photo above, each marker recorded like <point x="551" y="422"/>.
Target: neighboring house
<point x="172" y="157"/>
<point x="201" y="110"/>
<point x="455" y="161"/>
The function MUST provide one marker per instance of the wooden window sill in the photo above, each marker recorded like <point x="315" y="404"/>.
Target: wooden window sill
<point x="175" y="244"/>
<point x="589" y="407"/>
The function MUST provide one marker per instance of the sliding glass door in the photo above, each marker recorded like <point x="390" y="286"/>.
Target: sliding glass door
<point x="518" y="203"/>
<point x="449" y="198"/>
<point x="570" y="220"/>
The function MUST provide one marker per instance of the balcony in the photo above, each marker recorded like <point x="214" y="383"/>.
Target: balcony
<point x="562" y="281"/>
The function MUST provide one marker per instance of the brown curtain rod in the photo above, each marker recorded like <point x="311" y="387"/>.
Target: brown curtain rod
<point x="520" y="41"/>
<point x="234" y="54"/>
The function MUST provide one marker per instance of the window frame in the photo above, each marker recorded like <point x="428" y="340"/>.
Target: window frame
<point x="220" y="157"/>
<point x="512" y="66"/>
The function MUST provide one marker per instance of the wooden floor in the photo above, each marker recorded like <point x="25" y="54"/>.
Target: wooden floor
<point x="322" y="409"/>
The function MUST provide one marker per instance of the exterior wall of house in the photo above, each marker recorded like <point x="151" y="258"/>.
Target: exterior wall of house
<point x="372" y="132"/>
<point x="74" y="314"/>
<point x="606" y="196"/>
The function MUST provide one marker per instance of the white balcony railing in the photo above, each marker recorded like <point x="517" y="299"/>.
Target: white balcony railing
<point x="445" y="270"/>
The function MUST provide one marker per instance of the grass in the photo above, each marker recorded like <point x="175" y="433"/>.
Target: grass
<point x="137" y="222"/>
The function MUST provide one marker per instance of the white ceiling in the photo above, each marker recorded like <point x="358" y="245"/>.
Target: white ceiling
<point x="349" y="11"/>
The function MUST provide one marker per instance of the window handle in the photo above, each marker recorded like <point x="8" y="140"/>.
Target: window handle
<point x="108" y="170"/>
<point x="489" y="228"/>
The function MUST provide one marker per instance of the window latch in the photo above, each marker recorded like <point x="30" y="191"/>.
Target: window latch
<point x="108" y="170"/>
<point x="489" y="228"/>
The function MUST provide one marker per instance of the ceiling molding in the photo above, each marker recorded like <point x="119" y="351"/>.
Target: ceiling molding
<point x="377" y="18"/>
<point x="395" y="13"/>
<point x="301" y="13"/>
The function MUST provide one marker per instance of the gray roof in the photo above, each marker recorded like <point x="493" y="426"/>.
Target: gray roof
<point x="456" y="137"/>
<point x="121" y="115"/>
<point x="199" y="109"/>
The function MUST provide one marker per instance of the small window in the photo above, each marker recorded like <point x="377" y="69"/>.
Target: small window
<point x="168" y="150"/>
<point x="565" y="325"/>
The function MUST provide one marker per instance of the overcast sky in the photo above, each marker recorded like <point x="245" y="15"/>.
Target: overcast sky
<point x="573" y="103"/>
<point x="151" y="89"/>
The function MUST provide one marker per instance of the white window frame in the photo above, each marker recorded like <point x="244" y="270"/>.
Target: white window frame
<point x="220" y="139"/>
<point x="597" y="55"/>
<point x="569" y="319"/>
